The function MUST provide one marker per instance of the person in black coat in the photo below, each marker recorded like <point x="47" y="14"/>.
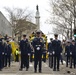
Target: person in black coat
<point x="50" y="53"/>
<point x="38" y="50"/>
<point x="25" y="51"/>
<point x="73" y="51"/>
<point x="1" y="54"/>
<point x="8" y="52"/>
<point x="57" y="50"/>
<point x="67" y="53"/>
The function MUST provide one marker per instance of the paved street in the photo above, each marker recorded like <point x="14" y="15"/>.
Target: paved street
<point x="14" y="70"/>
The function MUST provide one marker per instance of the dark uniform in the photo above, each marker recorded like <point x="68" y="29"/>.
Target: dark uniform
<point x="56" y="44"/>
<point x="1" y="51"/>
<point x="8" y="51"/>
<point x="73" y="51"/>
<point x="25" y="50"/>
<point x="3" y="55"/>
<point x="44" y="54"/>
<point x="67" y="53"/>
<point x="31" y="56"/>
<point x="50" y="54"/>
<point x="38" y="47"/>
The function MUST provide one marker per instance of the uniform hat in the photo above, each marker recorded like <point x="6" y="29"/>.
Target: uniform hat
<point x="68" y="41"/>
<point x="73" y="40"/>
<point x="51" y="38"/>
<point x="38" y="32"/>
<point x="7" y="40"/>
<point x="24" y="35"/>
<point x="56" y="35"/>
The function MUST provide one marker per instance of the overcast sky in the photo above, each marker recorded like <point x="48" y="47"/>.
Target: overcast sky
<point x="31" y="4"/>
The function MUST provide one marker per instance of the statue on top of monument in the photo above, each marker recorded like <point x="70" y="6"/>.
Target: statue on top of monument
<point x="37" y="7"/>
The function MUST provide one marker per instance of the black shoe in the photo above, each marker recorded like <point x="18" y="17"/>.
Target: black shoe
<point x="54" y="69"/>
<point x="9" y="66"/>
<point x="20" y="69"/>
<point x="0" y="69"/>
<point x="71" y="67"/>
<point x="51" y="67"/>
<point x="40" y="71"/>
<point x="74" y="67"/>
<point x="26" y="69"/>
<point x="68" y="72"/>
<point x="5" y="66"/>
<point x="58" y="70"/>
<point x="35" y="71"/>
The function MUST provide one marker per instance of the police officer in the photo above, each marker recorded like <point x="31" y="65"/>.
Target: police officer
<point x="56" y="44"/>
<point x="1" y="52"/>
<point x="25" y="50"/>
<point x="50" y="53"/>
<point x="8" y="52"/>
<point x="67" y="52"/>
<point x="38" y="47"/>
<point x="73" y="51"/>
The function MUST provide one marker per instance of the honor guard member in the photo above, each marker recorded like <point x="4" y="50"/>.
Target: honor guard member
<point x="56" y="44"/>
<point x="25" y="50"/>
<point x="73" y="52"/>
<point x="1" y="52"/>
<point x="8" y="52"/>
<point x="38" y="47"/>
<point x="67" y="52"/>
<point x="50" y="53"/>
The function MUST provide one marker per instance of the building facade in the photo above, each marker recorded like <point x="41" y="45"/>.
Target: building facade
<point x="5" y="26"/>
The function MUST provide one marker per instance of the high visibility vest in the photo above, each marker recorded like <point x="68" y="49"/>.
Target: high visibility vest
<point x="17" y="52"/>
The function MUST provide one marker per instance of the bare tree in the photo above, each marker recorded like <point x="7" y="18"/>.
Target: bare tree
<point x="63" y="15"/>
<point x="20" y="19"/>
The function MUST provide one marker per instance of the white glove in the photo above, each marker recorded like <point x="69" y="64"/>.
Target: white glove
<point x="38" y="48"/>
<point x="53" y="52"/>
<point x="2" y="53"/>
<point x="70" y="53"/>
<point x="11" y="54"/>
<point x="50" y="53"/>
<point x="65" y="53"/>
<point x="61" y="53"/>
<point x="29" y="54"/>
